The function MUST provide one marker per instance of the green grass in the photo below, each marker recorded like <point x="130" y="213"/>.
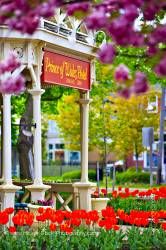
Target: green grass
<point x="128" y="184"/>
<point x="55" y="170"/>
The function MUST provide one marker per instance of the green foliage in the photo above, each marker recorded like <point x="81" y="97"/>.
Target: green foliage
<point x="132" y="176"/>
<point x="132" y="169"/>
<point x="51" y="97"/>
<point x="118" y="119"/>
<point x="76" y="175"/>
<point x="132" y="203"/>
<point x="56" y="179"/>
<point x="146" y="238"/>
<point x="72" y="175"/>
<point x="110" y="240"/>
<point x="86" y="239"/>
<point x="17" y="109"/>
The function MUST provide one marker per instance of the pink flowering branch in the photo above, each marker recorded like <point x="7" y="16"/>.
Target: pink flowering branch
<point x="117" y="18"/>
<point x="8" y="83"/>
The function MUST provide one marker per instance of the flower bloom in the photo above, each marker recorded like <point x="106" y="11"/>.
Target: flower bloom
<point x="9" y="64"/>
<point x="11" y="229"/>
<point x="12" y="85"/>
<point x="121" y="73"/>
<point x="107" y="53"/>
<point x="96" y="20"/>
<point x="104" y="191"/>
<point x="4" y="217"/>
<point x="52" y="227"/>
<point x="40" y="210"/>
<point x="163" y="226"/>
<point x="9" y="210"/>
<point x="8" y="83"/>
<point x="160" y="69"/>
<point x="140" y="84"/>
<point x="72" y="8"/>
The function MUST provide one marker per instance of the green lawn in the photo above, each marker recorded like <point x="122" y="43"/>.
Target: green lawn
<point x="55" y="170"/>
<point x="129" y="185"/>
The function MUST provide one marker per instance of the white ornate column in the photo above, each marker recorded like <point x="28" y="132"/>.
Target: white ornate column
<point x="7" y="190"/>
<point x="84" y="106"/>
<point x="37" y="188"/>
<point x="84" y="187"/>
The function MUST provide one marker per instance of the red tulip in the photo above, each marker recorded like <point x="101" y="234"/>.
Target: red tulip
<point x="88" y="222"/>
<point x="40" y="210"/>
<point x="12" y="230"/>
<point x="52" y="227"/>
<point x="163" y="226"/>
<point x="9" y="210"/>
<point x="4" y="218"/>
<point x="115" y="227"/>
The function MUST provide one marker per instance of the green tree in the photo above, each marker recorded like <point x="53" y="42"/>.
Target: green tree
<point x="130" y="116"/>
<point x="118" y="119"/>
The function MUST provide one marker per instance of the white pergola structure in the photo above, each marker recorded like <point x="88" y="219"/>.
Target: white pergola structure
<point x="66" y="36"/>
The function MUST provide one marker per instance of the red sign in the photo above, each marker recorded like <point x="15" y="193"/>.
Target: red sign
<point x="66" y="71"/>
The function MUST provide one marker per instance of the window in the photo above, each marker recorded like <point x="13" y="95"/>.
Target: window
<point x="155" y="159"/>
<point x="50" y="146"/>
<point x="59" y="146"/>
<point x="74" y="158"/>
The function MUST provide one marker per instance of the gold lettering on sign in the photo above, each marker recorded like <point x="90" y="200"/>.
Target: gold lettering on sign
<point x="51" y="67"/>
<point x="70" y="70"/>
<point x="82" y="73"/>
<point x="67" y="69"/>
<point x="62" y="67"/>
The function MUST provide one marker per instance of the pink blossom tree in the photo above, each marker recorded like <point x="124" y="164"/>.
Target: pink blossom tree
<point x="127" y="23"/>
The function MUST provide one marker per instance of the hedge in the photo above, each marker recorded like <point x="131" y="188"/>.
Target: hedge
<point x="131" y="176"/>
<point x="76" y="175"/>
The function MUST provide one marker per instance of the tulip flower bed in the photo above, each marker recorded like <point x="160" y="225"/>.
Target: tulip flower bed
<point x="152" y="199"/>
<point x="83" y="230"/>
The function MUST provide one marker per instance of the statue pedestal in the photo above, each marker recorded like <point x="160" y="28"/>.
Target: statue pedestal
<point x="84" y="190"/>
<point x="37" y="191"/>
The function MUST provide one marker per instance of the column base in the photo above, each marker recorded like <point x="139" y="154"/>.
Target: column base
<point x="37" y="191"/>
<point x="84" y="189"/>
<point x="7" y="195"/>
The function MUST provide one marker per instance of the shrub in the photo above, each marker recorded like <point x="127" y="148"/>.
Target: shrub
<point x="92" y="175"/>
<point x="72" y="175"/>
<point x="133" y="169"/>
<point x="76" y="175"/>
<point x="132" y="177"/>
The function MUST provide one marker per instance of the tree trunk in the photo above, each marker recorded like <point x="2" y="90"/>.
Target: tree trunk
<point x="25" y="142"/>
<point x="136" y="163"/>
<point x="136" y="158"/>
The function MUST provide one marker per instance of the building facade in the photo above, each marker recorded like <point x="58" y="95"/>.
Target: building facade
<point x="56" y="150"/>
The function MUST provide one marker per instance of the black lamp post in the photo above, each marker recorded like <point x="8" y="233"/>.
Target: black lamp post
<point x="105" y="143"/>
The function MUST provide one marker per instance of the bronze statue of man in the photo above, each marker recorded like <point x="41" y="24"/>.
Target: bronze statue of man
<point x="25" y="150"/>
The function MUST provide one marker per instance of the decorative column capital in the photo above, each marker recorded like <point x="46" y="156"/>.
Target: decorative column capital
<point x="36" y="91"/>
<point x="6" y="95"/>
<point x="84" y="101"/>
